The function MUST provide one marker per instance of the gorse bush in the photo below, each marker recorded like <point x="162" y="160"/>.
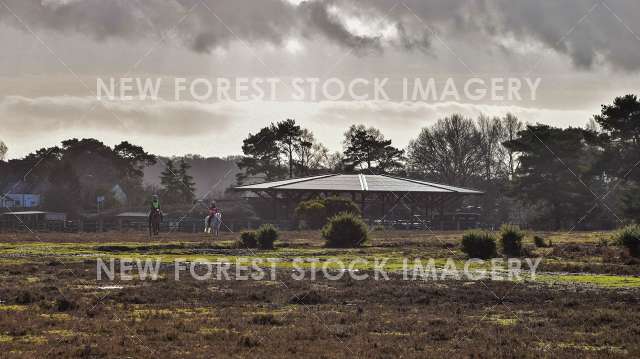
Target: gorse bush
<point x="314" y="213"/>
<point x="248" y="239"/>
<point x="479" y="244"/>
<point x="266" y="235"/>
<point x="539" y="242"/>
<point x="629" y="237"/>
<point x="345" y="230"/>
<point x="511" y="239"/>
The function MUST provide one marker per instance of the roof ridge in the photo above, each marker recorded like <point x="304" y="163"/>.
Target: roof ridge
<point x="363" y="182"/>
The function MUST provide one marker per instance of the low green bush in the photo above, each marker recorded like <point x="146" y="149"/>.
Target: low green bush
<point x="248" y="239"/>
<point x="539" y="242"/>
<point x="345" y="230"/>
<point x="479" y="244"/>
<point x="266" y="235"/>
<point x="629" y="237"/>
<point x="511" y="240"/>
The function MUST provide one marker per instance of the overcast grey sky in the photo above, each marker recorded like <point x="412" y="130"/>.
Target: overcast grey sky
<point x="586" y="52"/>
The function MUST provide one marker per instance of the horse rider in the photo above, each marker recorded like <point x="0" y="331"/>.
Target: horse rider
<point x="155" y="206"/>
<point x="212" y="213"/>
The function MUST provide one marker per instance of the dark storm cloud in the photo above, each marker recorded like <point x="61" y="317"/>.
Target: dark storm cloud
<point x="585" y="30"/>
<point x="320" y="19"/>
<point x="604" y="36"/>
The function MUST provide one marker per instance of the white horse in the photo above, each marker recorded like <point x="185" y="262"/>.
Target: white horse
<point x="213" y="224"/>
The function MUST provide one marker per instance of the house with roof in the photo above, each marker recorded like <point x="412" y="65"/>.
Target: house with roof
<point x="20" y="200"/>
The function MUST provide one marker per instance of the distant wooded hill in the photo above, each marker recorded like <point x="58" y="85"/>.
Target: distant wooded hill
<point x="210" y="174"/>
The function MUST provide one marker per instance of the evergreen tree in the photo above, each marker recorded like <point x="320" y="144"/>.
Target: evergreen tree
<point x="367" y="149"/>
<point x="281" y="149"/>
<point x="188" y="188"/>
<point x="556" y="173"/>
<point x="171" y="184"/>
<point x="288" y="138"/>
<point x="262" y="156"/>
<point x="3" y="150"/>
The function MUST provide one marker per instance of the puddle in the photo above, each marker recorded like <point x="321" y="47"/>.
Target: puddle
<point x="108" y="287"/>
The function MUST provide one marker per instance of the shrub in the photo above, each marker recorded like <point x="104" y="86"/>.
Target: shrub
<point x="25" y="297"/>
<point x="266" y="235"/>
<point x="248" y="239"/>
<point x="511" y="240"/>
<point x="345" y="230"/>
<point x="629" y="237"/>
<point x="313" y="212"/>
<point x="479" y="244"/>
<point x="63" y="305"/>
<point x="539" y="242"/>
<point x="265" y="319"/>
<point x="311" y="297"/>
<point x="336" y="205"/>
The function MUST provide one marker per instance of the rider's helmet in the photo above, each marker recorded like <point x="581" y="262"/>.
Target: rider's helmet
<point x="213" y="204"/>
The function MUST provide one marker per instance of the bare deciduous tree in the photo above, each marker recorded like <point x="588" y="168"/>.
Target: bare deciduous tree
<point x="511" y="126"/>
<point x="450" y="151"/>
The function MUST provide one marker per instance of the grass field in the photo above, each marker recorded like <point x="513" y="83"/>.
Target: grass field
<point x="584" y="301"/>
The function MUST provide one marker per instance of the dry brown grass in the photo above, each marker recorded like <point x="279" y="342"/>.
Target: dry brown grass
<point x="54" y="309"/>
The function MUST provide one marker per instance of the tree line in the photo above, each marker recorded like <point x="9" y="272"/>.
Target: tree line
<point x="72" y="176"/>
<point x="533" y="173"/>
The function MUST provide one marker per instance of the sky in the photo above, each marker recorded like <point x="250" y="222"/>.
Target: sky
<point x="55" y="54"/>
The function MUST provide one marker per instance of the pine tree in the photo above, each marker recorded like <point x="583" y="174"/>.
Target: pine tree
<point x="171" y="184"/>
<point x="3" y="150"/>
<point x="188" y="188"/>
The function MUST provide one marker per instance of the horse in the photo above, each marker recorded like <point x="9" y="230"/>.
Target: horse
<point x="212" y="224"/>
<point x="216" y="223"/>
<point x="154" y="222"/>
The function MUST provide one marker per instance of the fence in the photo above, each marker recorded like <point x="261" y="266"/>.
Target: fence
<point x="182" y="225"/>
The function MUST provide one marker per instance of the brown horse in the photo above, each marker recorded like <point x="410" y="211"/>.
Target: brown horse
<point x="154" y="222"/>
